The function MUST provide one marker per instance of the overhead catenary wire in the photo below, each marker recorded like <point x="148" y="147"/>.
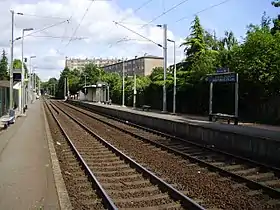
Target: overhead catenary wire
<point x="47" y="27"/>
<point x="59" y="37"/>
<point x="133" y="12"/>
<point x="38" y="16"/>
<point x="75" y="31"/>
<point x="165" y="12"/>
<point x="138" y="34"/>
<point x="65" y="29"/>
<point x="154" y="19"/>
<point x="203" y="10"/>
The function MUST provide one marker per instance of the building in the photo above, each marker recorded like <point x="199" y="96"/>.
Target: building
<point x="143" y="66"/>
<point x="77" y="63"/>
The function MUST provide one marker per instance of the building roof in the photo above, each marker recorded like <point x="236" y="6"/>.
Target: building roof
<point x="138" y="58"/>
<point x="98" y="84"/>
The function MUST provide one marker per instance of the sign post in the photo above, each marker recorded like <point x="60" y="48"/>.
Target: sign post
<point x="223" y="76"/>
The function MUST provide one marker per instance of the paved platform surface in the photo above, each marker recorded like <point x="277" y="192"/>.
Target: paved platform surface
<point x="256" y="130"/>
<point x="26" y="177"/>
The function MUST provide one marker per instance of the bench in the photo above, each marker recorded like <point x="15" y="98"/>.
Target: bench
<point x="146" y="107"/>
<point x="10" y="119"/>
<point x="108" y="102"/>
<point x="215" y="117"/>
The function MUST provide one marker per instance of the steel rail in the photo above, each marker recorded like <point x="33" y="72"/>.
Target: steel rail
<point x="186" y="202"/>
<point x="250" y="183"/>
<point x="102" y="193"/>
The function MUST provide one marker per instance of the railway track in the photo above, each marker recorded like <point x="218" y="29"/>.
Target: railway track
<point x="119" y="181"/>
<point x="261" y="178"/>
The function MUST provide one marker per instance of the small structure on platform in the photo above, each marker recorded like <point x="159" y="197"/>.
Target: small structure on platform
<point x="223" y="75"/>
<point x="5" y="96"/>
<point x="98" y="92"/>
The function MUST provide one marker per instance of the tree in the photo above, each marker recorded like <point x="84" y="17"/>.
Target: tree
<point x="50" y="86"/>
<point x="195" y="43"/>
<point x="93" y="73"/>
<point x="60" y="86"/>
<point x="229" y="41"/>
<point x="4" y="66"/>
<point x="74" y="78"/>
<point x="17" y="65"/>
<point x="276" y="3"/>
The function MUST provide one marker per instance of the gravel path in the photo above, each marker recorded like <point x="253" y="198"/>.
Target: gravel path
<point x="197" y="182"/>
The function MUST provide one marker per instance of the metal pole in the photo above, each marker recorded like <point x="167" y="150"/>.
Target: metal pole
<point x="22" y="76"/>
<point x="53" y="89"/>
<point x="12" y="64"/>
<point x="210" y="100"/>
<point x="134" y="88"/>
<point x="31" y="84"/>
<point x="165" y="66"/>
<point x="34" y="84"/>
<point x="108" y="93"/>
<point x="64" y="87"/>
<point x="175" y="80"/>
<point x="67" y="83"/>
<point x="39" y="87"/>
<point x="29" y="80"/>
<point x="123" y="88"/>
<point x="236" y="98"/>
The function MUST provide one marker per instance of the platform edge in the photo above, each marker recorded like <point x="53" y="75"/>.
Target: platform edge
<point x="63" y="197"/>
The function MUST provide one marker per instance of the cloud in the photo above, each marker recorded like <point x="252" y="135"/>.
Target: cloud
<point x="98" y="34"/>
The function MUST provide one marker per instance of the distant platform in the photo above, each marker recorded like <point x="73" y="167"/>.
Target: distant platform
<point x="260" y="142"/>
<point x="249" y="129"/>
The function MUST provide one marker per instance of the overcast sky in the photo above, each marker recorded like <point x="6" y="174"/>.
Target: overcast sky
<point x="98" y="36"/>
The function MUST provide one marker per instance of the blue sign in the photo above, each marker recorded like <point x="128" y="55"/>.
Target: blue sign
<point x="226" y="78"/>
<point x="222" y="70"/>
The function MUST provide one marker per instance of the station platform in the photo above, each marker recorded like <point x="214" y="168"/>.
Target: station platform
<point x="260" y="142"/>
<point x="26" y="173"/>
<point x="249" y="129"/>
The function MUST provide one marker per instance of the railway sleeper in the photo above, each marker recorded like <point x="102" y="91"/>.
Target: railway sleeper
<point x="108" y="168"/>
<point x="163" y="207"/>
<point x="233" y="167"/>
<point x="248" y="171"/>
<point x="272" y="183"/>
<point x="127" y="185"/>
<point x="149" y="189"/>
<point x="108" y="163"/>
<point x="155" y="200"/>
<point x="261" y="176"/>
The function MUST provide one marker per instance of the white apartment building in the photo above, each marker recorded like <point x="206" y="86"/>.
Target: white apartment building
<point x="78" y="63"/>
<point x="142" y="66"/>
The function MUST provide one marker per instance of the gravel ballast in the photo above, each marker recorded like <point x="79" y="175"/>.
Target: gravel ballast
<point x="212" y="189"/>
<point x="126" y="187"/>
<point x="80" y="191"/>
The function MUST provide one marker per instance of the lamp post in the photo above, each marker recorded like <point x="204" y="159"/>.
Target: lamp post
<point x="12" y="63"/>
<point x="34" y="83"/>
<point x="30" y="86"/>
<point x="134" y="87"/>
<point x="164" y="26"/>
<point x="123" y="83"/>
<point x="22" y="101"/>
<point x="175" y="76"/>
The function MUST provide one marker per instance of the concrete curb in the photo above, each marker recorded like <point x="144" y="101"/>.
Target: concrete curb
<point x="64" y="200"/>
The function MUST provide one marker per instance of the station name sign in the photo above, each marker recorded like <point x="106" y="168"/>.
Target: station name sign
<point x="222" y="76"/>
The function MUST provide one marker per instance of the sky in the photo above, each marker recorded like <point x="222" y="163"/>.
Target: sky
<point x="94" y="33"/>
